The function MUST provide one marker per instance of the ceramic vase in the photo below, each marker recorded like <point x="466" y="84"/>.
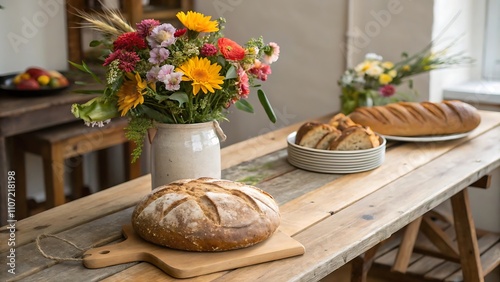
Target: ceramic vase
<point x="181" y="151"/>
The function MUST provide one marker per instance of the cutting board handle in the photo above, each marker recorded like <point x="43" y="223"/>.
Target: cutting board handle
<point x="132" y="249"/>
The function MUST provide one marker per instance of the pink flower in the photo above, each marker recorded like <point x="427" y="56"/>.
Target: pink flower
<point x="243" y="83"/>
<point x="271" y="53"/>
<point x="208" y="50"/>
<point x="145" y="27"/>
<point x="387" y="90"/>
<point x="127" y="60"/>
<point x="260" y="70"/>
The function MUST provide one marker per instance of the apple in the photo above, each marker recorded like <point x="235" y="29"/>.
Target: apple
<point x="28" y="84"/>
<point x="35" y="72"/>
<point x="57" y="79"/>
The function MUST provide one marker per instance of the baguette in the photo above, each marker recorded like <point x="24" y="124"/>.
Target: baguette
<point x="418" y="119"/>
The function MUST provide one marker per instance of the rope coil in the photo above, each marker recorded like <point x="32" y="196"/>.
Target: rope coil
<point x="39" y="247"/>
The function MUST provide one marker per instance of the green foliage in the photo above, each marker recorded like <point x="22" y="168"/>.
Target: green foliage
<point x="136" y="131"/>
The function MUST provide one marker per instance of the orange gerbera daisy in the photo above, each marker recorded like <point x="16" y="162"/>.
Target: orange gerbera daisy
<point x="230" y="49"/>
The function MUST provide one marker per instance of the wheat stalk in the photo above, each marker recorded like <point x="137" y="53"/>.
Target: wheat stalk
<point x="109" y="22"/>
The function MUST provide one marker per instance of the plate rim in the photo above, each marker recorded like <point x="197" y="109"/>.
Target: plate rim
<point x="333" y="152"/>
<point x="427" y="138"/>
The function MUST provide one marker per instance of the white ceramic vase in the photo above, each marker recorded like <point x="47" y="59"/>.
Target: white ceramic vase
<point x="180" y="151"/>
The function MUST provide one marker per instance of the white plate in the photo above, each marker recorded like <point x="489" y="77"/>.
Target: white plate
<point x="334" y="156"/>
<point x="291" y="142"/>
<point x="333" y="162"/>
<point x="335" y="170"/>
<point x="426" y="138"/>
<point x="327" y="161"/>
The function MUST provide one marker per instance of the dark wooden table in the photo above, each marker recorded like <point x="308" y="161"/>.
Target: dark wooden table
<point x="336" y="217"/>
<point x="24" y="114"/>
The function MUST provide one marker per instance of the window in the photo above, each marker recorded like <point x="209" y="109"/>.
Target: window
<point x="491" y="63"/>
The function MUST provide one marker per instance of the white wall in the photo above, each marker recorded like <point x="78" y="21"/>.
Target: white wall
<point x="33" y="33"/>
<point x="303" y="82"/>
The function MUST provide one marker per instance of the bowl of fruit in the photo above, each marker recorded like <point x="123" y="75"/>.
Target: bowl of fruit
<point x="34" y="81"/>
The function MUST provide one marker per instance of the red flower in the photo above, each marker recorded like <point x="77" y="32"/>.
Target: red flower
<point x="180" y="32"/>
<point x="230" y="49"/>
<point x="208" y="50"/>
<point x="387" y="90"/>
<point x="126" y="60"/>
<point x="129" y="41"/>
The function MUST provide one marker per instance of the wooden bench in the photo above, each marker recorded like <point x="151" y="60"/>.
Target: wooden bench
<point x="61" y="149"/>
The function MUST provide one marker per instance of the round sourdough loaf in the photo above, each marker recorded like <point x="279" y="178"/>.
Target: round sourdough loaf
<point x="206" y="214"/>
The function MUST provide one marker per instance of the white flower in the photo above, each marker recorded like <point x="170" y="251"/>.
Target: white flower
<point x="373" y="57"/>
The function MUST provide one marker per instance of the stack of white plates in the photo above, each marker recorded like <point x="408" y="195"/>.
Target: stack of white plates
<point x="327" y="161"/>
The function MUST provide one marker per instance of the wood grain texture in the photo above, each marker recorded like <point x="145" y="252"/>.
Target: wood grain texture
<point x="339" y="238"/>
<point x="363" y="206"/>
<point x="184" y="264"/>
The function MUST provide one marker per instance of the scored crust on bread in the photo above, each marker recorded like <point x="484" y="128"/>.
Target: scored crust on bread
<point x="310" y="133"/>
<point x="419" y="119"/>
<point x="206" y="214"/>
<point x="324" y="143"/>
<point x="355" y="138"/>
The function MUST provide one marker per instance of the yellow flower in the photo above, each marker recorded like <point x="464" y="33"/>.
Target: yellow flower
<point x="363" y="67"/>
<point x="392" y="73"/>
<point x="384" y="79"/>
<point x="406" y="68"/>
<point x="197" y="22"/>
<point x="205" y="76"/>
<point x="131" y="93"/>
<point x="387" y="65"/>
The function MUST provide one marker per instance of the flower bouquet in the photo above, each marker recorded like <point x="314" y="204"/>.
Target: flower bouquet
<point x="158" y="73"/>
<point x="373" y="81"/>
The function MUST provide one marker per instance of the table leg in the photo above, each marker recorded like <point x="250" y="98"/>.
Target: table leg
<point x="361" y="264"/>
<point x="53" y="169"/>
<point x="4" y="169"/>
<point x="406" y="247"/>
<point x="466" y="237"/>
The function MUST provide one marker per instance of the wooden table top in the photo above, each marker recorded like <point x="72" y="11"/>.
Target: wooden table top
<point x="336" y="217"/>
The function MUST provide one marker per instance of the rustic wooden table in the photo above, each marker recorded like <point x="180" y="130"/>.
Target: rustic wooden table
<point x="336" y="217"/>
<point x="24" y="114"/>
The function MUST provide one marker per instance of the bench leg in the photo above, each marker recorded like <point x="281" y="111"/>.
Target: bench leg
<point x="53" y="170"/>
<point x="77" y="177"/>
<point x="132" y="170"/>
<point x="19" y="166"/>
<point x="466" y="237"/>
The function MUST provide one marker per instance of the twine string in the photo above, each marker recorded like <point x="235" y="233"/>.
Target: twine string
<point x="219" y="131"/>
<point x="39" y="247"/>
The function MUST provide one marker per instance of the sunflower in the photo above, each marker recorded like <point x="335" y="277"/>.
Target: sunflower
<point x="197" y="22"/>
<point x="203" y="74"/>
<point x="130" y="94"/>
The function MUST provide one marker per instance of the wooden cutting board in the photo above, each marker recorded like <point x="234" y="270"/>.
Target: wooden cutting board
<point x="183" y="264"/>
